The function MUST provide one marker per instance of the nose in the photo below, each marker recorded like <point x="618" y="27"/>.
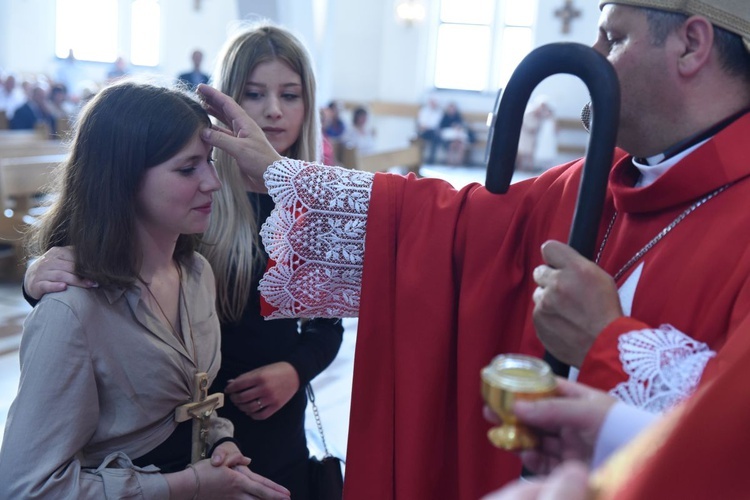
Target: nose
<point x="210" y="181"/>
<point x="600" y="46"/>
<point x="273" y="107"/>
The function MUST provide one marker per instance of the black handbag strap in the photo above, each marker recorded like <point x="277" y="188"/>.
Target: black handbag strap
<point x="311" y="397"/>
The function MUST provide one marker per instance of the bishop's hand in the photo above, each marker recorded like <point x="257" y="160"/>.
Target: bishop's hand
<point x="245" y="141"/>
<point x="574" y="301"/>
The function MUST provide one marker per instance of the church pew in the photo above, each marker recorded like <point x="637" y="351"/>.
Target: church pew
<point x="9" y="137"/>
<point x="409" y="157"/>
<point x="21" y="181"/>
<point x="475" y="120"/>
<point x="28" y="147"/>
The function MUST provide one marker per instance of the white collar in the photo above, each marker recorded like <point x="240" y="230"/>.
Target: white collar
<point x="656" y="165"/>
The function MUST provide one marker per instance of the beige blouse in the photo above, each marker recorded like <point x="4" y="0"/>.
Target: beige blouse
<point x="100" y="379"/>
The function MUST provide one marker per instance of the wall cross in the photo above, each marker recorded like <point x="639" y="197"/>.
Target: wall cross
<point x="566" y="13"/>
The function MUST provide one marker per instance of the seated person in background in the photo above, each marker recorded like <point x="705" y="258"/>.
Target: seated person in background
<point x="328" y="151"/>
<point x="428" y="127"/>
<point x="33" y="112"/>
<point x="333" y="127"/>
<point x="11" y="96"/>
<point x="111" y="364"/>
<point x="455" y="134"/>
<point x="195" y="77"/>
<point x="60" y="107"/>
<point x="71" y="75"/>
<point x="360" y="135"/>
<point x="118" y="70"/>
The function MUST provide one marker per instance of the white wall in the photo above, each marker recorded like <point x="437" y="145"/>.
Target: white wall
<point x="27" y="37"/>
<point x="359" y="49"/>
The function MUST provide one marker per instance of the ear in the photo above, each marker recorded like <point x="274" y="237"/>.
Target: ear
<point x="697" y="38"/>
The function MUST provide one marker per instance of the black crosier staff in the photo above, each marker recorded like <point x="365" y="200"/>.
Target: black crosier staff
<point x="600" y="78"/>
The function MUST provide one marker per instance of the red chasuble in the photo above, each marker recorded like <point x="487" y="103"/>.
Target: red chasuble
<point x="447" y="285"/>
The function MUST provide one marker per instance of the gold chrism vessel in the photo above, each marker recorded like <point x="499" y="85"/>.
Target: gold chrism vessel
<point x="508" y="378"/>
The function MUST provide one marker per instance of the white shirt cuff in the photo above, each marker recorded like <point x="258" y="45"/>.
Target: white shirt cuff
<point x="622" y="423"/>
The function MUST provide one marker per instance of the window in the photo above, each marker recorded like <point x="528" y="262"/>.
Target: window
<point x="144" y="32"/>
<point x="480" y="42"/>
<point x="92" y="30"/>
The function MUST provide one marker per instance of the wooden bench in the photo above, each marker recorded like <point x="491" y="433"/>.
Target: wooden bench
<point x="409" y="158"/>
<point x="571" y="138"/>
<point x="19" y="149"/>
<point x="20" y="136"/>
<point x="475" y="120"/>
<point x="21" y="182"/>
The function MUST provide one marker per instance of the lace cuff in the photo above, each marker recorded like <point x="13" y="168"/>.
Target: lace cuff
<point x="663" y="366"/>
<point x="316" y="237"/>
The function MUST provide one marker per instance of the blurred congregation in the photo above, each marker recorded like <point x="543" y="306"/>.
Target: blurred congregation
<point x="358" y="52"/>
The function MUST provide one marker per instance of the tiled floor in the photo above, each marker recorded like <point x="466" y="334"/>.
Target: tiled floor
<point x="332" y="387"/>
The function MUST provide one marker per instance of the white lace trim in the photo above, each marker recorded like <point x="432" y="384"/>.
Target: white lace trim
<point x="664" y="367"/>
<point x="316" y="236"/>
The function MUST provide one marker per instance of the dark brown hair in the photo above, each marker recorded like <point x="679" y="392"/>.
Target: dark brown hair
<point x="124" y="130"/>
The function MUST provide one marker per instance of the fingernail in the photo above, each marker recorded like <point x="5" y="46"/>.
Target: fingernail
<point x="206" y="133"/>
<point x="92" y="284"/>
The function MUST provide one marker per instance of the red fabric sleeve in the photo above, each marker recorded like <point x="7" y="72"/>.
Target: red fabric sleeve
<point x="267" y="309"/>
<point x="602" y="367"/>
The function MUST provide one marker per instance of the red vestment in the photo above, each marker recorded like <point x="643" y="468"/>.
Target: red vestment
<point x="698" y="450"/>
<point x="447" y="285"/>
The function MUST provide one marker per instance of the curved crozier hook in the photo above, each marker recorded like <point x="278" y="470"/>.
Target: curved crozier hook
<point x="600" y="78"/>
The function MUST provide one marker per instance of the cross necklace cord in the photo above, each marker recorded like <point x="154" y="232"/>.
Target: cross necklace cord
<point x="181" y="302"/>
<point x="201" y="405"/>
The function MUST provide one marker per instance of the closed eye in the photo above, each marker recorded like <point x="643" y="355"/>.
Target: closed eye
<point x="187" y="171"/>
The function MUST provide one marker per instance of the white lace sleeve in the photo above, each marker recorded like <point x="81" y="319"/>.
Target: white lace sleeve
<point x="316" y="236"/>
<point x="663" y="366"/>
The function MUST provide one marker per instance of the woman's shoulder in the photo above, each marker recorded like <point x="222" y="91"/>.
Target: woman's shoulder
<point x="68" y="310"/>
<point x="74" y="297"/>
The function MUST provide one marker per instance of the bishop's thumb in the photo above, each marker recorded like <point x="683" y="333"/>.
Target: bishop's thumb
<point x="559" y="255"/>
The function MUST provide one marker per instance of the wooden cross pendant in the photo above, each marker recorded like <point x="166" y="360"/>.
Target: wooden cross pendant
<point x="567" y="13"/>
<point x="199" y="409"/>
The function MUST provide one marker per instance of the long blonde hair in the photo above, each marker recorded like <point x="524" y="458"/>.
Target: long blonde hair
<point x="231" y="243"/>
